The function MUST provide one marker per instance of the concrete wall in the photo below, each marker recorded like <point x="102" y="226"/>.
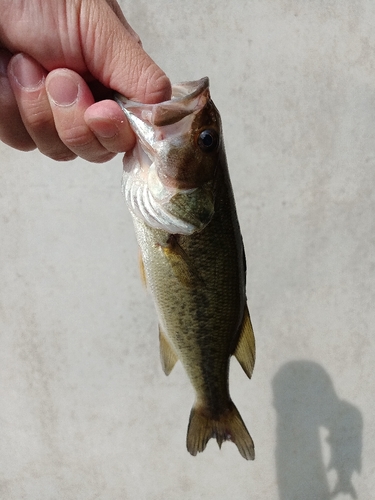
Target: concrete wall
<point x="85" y="410"/>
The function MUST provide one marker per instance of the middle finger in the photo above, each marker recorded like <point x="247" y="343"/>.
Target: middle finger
<point x="69" y="97"/>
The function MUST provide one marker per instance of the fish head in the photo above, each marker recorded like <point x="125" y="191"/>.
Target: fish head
<point x="187" y="139"/>
<point x="169" y="177"/>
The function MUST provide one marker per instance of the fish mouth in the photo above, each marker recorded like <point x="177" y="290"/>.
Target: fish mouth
<point x="153" y="123"/>
<point x="186" y="97"/>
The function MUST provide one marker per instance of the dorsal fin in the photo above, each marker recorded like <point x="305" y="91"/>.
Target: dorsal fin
<point x="245" y="350"/>
<point x="168" y="356"/>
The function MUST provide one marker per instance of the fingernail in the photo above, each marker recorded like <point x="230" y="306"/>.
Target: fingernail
<point x="62" y="88"/>
<point x="105" y="130"/>
<point x="27" y="72"/>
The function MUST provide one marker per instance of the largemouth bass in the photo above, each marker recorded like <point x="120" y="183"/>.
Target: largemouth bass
<point x="177" y="187"/>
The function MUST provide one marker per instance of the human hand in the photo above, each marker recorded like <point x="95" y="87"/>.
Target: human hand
<point x="58" y="60"/>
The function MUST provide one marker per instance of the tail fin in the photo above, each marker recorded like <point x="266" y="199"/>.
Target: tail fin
<point x="229" y="426"/>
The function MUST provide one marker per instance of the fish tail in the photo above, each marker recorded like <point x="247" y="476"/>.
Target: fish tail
<point x="228" y="426"/>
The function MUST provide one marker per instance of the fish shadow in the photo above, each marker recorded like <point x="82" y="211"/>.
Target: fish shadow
<point x="307" y="406"/>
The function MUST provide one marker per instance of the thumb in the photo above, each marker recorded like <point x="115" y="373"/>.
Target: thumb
<point x="115" y="57"/>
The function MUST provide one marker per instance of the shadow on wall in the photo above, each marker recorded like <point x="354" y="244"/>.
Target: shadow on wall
<point x="306" y="403"/>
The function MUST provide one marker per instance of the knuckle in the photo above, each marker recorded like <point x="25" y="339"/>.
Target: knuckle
<point x="59" y="155"/>
<point x="107" y="156"/>
<point x="76" y="137"/>
<point x="16" y="137"/>
<point x="38" y="119"/>
<point x="84" y="144"/>
<point x="22" y="144"/>
<point x="158" y="86"/>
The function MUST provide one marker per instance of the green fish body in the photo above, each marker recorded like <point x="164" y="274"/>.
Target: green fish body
<point x="177" y="187"/>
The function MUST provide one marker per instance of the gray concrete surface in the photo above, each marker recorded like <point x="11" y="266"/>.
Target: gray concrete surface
<point x="85" y="410"/>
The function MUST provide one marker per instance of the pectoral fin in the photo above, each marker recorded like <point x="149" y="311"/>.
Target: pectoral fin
<point x="168" y="355"/>
<point x="182" y="266"/>
<point x="142" y="270"/>
<point x="245" y="350"/>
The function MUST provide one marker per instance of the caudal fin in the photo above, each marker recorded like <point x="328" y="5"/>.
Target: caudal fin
<point x="229" y="426"/>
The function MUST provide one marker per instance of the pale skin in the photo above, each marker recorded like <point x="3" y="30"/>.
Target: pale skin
<point x="59" y="62"/>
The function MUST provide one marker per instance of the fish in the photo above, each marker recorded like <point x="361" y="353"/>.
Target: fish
<point x="177" y="187"/>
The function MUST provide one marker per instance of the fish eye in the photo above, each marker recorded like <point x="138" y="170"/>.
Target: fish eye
<point x="208" y="140"/>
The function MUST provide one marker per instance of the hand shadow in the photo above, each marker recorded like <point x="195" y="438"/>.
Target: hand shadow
<point x="305" y="401"/>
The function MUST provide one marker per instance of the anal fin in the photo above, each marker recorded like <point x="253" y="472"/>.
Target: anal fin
<point x="168" y="356"/>
<point x="245" y="350"/>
